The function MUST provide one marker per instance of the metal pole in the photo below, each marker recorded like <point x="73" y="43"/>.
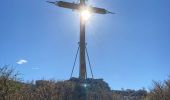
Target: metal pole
<point x="82" y="72"/>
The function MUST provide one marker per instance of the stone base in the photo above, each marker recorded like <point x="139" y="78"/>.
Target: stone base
<point x="89" y="89"/>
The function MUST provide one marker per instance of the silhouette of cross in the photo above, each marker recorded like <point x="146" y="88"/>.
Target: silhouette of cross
<point x="82" y="43"/>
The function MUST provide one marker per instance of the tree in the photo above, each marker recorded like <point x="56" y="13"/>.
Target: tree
<point x="160" y="91"/>
<point x="9" y="82"/>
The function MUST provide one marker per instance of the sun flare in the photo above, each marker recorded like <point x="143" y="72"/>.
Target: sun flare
<point x="85" y="14"/>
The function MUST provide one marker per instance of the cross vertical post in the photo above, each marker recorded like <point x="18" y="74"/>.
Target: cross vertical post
<point x="82" y="66"/>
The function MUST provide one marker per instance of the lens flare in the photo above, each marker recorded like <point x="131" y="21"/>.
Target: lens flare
<point x="85" y="14"/>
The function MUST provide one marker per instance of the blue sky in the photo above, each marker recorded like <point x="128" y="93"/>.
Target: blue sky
<point x="127" y="50"/>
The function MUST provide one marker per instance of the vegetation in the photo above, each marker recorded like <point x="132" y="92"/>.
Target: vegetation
<point x="9" y="82"/>
<point x="129" y="94"/>
<point x="160" y="91"/>
<point x="12" y="88"/>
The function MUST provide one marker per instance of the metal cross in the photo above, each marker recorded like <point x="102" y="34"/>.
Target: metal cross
<point x="80" y="6"/>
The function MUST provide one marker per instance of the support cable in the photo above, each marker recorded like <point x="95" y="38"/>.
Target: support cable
<point x="89" y="62"/>
<point x="75" y="60"/>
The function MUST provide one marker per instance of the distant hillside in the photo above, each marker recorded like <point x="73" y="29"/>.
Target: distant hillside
<point x="129" y="94"/>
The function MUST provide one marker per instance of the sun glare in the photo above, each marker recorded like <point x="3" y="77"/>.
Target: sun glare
<point x="85" y="14"/>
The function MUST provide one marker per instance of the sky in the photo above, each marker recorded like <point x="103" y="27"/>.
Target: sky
<point x="128" y="50"/>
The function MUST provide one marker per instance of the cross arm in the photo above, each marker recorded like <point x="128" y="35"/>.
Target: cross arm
<point x="65" y="4"/>
<point x="100" y="10"/>
<point x="78" y="7"/>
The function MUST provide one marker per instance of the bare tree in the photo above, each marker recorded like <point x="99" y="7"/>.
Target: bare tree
<point x="8" y="82"/>
<point x="160" y="91"/>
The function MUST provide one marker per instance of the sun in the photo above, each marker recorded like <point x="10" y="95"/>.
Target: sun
<point x="85" y="14"/>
